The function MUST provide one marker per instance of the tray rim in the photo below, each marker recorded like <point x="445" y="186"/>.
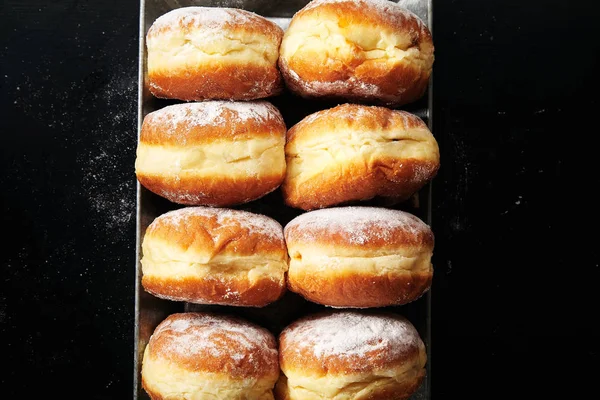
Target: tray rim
<point x="138" y="212"/>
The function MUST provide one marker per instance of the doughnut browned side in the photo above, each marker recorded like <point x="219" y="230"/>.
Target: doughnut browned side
<point x="209" y="255"/>
<point x="353" y="152"/>
<point x="350" y="355"/>
<point x="208" y="356"/>
<point x="204" y="53"/>
<point x="372" y="51"/>
<point x="214" y="153"/>
<point x="359" y="257"/>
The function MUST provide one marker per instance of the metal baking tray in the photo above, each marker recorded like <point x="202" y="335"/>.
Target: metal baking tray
<point x="149" y="310"/>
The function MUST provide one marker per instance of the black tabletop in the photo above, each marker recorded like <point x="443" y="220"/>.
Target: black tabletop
<point x="515" y="294"/>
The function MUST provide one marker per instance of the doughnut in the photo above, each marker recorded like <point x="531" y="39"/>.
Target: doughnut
<point x="205" y="356"/>
<point x="372" y="51"/>
<point x="210" y="53"/>
<point x="219" y="256"/>
<point x="359" y="257"/>
<point x="350" y="355"/>
<point x="215" y="153"/>
<point x="352" y="153"/>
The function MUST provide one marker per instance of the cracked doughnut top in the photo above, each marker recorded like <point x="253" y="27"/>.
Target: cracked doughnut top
<point x="370" y="51"/>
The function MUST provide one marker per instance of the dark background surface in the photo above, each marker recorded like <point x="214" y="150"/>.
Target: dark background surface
<point x="515" y="294"/>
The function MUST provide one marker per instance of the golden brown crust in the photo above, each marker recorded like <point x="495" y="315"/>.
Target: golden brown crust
<point x="203" y="342"/>
<point x="357" y="12"/>
<point x="201" y="53"/>
<point x="396" y="180"/>
<point x="378" y="165"/>
<point x="354" y="117"/>
<point x="236" y="19"/>
<point x="312" y="72"/>
<point x="239" y="291"/>
<point x="368" y="229"/>
<point x="214" y="256"/>
<point x="360" y="290"/>
<point x="373" y="341"/>
<point x="385" y="79"/>
<point x="359" y="256"/>
<point x="179" y="125"/>
<point x="221" y="191"/>
<point x="216" y="231"/>
<point x="216" y="153"/>
<point x="224" y="81"/>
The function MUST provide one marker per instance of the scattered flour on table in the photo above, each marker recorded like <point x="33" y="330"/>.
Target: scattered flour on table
<point x="109" y="187"/>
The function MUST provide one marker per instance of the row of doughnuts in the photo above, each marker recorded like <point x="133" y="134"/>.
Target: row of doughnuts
<point x="372" y="51"/>
<point x="328" y="355"/>
<point x="221" y="153"/>
<point x="355" y="257"/>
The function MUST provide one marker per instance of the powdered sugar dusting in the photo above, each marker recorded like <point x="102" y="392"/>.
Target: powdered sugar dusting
<point x="355" y="224"/>
<point x="423" y="172"/>
<point x="357" y="112"/>
<point x="256" y="223"/>
<point x="343" y="111"/>
<point x="387" y="9"/>
<point x="231" y="296"/>
<point x="181" y="118"/>
<point x="354" y="88"/>
<point x="351" y="87"/>
<point x="349" y="334"/>
<point x="206" y="199"/>
<point x="184" y="197"/>
<point x="210" y="18"/>
<point x="205" y="335"/>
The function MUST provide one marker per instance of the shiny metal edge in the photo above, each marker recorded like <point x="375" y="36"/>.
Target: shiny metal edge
<point x="429" y="221"/>
<point x="138" y="278"/>
<point x="422" y="8"/>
